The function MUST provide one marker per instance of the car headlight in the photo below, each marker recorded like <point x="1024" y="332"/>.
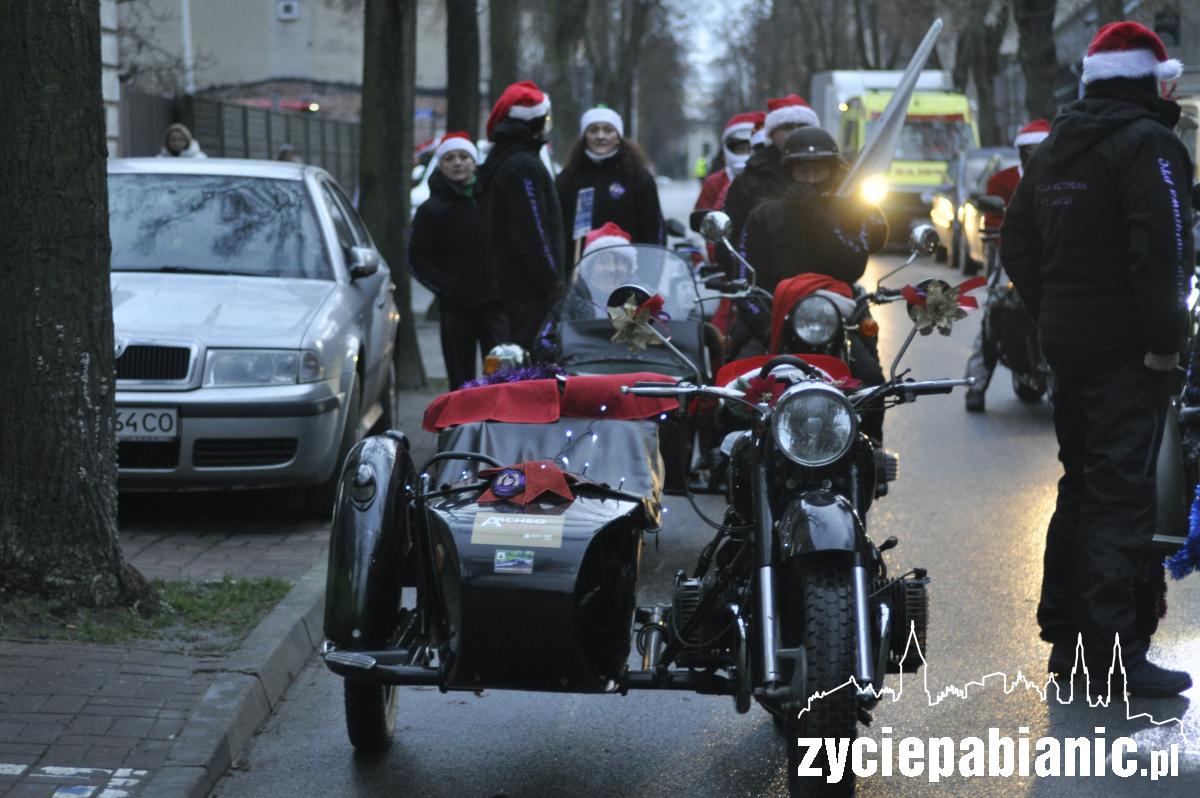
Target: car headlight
<point x="874" y="189"/>
<point x="813" y="424"/>
<point x="815" y="320"/>
<point x="228" y="368"/>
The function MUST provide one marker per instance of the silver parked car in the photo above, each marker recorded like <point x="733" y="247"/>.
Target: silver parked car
<point x="255" y="325"/>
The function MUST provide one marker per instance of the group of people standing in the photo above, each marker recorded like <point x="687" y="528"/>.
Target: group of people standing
<point x="494" y="241"/>
<point x="1095" y="239"/>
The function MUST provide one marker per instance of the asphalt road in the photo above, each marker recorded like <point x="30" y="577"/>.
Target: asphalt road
<point x="972" y="503"/>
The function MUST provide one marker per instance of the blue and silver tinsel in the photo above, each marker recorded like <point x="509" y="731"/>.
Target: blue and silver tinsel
<point x="1187" y="559"/>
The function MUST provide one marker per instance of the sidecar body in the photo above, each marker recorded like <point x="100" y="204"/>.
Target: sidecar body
<point x="432" y="583"/>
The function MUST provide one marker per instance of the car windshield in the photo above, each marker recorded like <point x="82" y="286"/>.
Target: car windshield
<point x="929" y="139"/>
<point x="658" y="270"/>
<point x="215" y="224"/>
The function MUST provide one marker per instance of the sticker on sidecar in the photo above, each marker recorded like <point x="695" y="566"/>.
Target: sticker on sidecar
<point x="508" y="529"/>
<point x="513" y="561"/>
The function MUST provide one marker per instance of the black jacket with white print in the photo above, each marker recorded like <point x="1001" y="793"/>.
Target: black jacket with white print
<point x="1097" y="239"/>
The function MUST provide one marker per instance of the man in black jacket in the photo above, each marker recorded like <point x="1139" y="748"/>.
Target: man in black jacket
<point x="765" y="177"/>
<point x="524" y="217"/>
<point x="1096" y="243"/>
<point x="809" y="229"/>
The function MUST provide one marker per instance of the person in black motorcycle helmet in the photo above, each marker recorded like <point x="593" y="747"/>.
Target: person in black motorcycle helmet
<point x="811" y="230"/>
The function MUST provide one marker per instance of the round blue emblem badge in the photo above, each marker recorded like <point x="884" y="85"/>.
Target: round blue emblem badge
<point x="508" y="483"/>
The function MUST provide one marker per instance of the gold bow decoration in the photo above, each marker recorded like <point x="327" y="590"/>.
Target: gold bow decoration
<point x="632" y="322"/>
<point x="939" y="305"/>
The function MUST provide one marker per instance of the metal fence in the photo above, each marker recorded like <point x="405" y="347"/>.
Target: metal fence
<point x="228" y="130"/>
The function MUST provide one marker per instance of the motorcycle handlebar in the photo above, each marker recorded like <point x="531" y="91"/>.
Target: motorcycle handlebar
<point x="930" y="387"/>
<point x="667" y="389"/>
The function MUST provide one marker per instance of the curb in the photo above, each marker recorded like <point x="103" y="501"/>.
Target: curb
<point x="249" y="686"/>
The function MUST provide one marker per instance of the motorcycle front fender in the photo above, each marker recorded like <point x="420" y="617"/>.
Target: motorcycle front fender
<point x="818" y="520"/>
<point x="370" y="543"/>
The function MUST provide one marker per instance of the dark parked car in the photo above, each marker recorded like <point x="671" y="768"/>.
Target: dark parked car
<point x="968" y="172"/>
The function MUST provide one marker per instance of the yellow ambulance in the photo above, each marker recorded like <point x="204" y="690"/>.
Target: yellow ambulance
<point x="939" y="126"/>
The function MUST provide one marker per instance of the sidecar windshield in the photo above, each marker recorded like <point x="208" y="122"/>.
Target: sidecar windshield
<point x="658" y="270"/>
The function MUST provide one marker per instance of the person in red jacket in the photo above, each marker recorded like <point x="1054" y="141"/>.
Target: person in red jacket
<point x="735" y="143"/>
<point x="1002" y="184"/>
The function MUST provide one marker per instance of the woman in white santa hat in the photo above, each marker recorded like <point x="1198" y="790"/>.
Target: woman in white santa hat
<point x="614" y="170"/>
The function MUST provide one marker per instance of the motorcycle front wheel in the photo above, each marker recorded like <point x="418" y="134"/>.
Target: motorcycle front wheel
<point x="819" y="611"/>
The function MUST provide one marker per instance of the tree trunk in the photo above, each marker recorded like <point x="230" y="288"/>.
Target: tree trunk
<point x="1109" y="11"/>
<point x="565" y="22"/>
<point x="58" y="464"/>
<point x="504" y="41"/>
<point x="860" y="35"/>
<point x="389" y="76"/>
<point x="1035" y="51"/>
<point x="462" y="66"/>
<point x="985" y="68"/>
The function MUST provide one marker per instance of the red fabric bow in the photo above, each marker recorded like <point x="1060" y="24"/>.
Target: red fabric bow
<point x="915" y="297"/>
<point x="541" y="477"/>
<point x="654" y="307"/>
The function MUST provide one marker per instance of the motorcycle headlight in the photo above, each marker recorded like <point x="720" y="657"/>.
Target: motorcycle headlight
<point x="228" y="368"/>
<point x="813" y="424"/>
<point x="815" y="320"/>
<point x="874" y="189"/>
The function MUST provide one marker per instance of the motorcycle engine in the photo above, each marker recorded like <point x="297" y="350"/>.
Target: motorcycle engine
<point x="707" y="645"/>
<point x="908" y="599"/>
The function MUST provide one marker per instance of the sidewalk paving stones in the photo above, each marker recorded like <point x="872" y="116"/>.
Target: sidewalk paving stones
<point x="141" y="719"/>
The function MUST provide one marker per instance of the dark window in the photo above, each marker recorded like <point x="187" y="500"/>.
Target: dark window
<point x="344" y="233"/>
<point x="241" y="225"/>
<point x="356" y="222"/>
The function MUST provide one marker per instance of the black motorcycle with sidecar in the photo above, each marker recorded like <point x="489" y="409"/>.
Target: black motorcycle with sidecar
<point x="543" y="519"/>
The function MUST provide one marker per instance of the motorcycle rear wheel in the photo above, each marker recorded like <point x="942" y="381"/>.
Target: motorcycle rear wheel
<point x="823" y="588"/>
<point x="370" y="714"/>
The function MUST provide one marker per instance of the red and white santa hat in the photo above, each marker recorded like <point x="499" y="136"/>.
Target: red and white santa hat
<point x="1033" y="133"/>
<point x="601" y="113"/>
<point x="1128" y="50"/>
<point x="610" y="235"/>
<point x="758" y="136"/>
<point x="522" y="100"/>
<point x="742" y="124"/>
<point x="459" y="141"/>
<point x="789" y="110"/>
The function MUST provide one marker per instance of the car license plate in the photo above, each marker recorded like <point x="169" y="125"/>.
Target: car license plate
<point x="147" y="423"/>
